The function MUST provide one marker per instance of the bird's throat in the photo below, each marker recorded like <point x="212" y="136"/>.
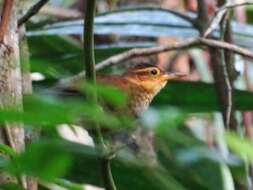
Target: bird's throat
<point x="141" y="98"/>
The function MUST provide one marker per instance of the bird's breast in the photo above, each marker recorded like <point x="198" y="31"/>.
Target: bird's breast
<point x="139" y="102"/>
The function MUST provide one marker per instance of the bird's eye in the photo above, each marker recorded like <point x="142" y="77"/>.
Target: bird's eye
<point x="154" y="72"/>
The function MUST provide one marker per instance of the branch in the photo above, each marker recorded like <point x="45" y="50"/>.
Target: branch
<point x="116" y="59"/>
<point x="129" y="55"/>
<point x="31" y="12"/>
<point x="227" y="46"/>
<point x="5" y="18"/>
<point x="215" y="21"/>
<point x="219" y="13"/>
<point x="144" y="52"/>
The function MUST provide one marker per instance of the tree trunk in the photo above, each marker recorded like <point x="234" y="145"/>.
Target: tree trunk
<point x="11" y="134"/>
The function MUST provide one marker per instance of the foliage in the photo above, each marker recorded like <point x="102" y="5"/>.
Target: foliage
<point x="183" y="160"/>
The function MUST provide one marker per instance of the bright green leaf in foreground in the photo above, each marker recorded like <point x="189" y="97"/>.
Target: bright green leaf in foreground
<point x="44" y="160"/>
<point x="241" y="146"/>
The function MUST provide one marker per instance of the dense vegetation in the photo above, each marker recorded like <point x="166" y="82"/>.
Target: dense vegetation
<point x="197" y="144"/>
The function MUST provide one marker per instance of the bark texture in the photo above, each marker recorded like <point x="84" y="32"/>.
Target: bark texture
<point x="11" y="134"/>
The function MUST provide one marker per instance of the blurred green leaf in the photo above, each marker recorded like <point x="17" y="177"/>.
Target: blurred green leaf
<point x="11" y="186"/>
<point x="126" y="170"/>
<point x="169" y="174"/>
<point x="249" y="11"/>
<point x="202" y="168"/>
<point x="45" y="160"/>
<point x="69" y="185"/>
<point x="198" y="97"/>
<point x="110" y="94"/>
<point x="241" y="146"/>
<point x="50" y="159"/>
<point x="58" y="61"/>
<point x="50" y="111"/>
<point x="7" y="150"/>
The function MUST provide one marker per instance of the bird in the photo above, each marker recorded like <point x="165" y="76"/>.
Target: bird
<point x="141" y="83"/>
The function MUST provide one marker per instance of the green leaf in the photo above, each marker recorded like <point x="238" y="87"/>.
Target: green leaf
<point x="58" y="61"/>
<point x="188" y="159"/>
<point x="169" y="173"/>
<point x="11" y="186"/>
<point x="241" y="146"/>
<point x="45" y="160"/>
<point x="50" y="111"/>
<point x="187" y="96"/>
<point x="110" y="94"/>
<point x="7" y="150"/>
<point x="69" y="185"/>
<point x="50" y="159"/>
<point x="198" y="97"/>
<point x="81" y="164"/>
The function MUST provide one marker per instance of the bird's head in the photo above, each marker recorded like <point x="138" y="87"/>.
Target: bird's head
<point x="150" y="77"/>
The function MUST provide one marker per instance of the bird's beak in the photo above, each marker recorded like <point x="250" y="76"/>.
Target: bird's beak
<point x="173" y="76"/>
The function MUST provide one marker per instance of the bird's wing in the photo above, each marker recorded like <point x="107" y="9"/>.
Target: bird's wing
<point x="116" y="81"/>
<point x="75" y="88"/>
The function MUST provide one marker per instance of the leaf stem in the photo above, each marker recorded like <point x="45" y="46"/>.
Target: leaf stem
<point x="89" y="61"/>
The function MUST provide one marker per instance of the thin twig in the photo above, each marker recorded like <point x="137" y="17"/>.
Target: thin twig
<point x="228" y="88"/>
<point x="226" y="46"/>
<point x="164" y="48"/>
<point x="144" y="52"/>
<point x="219" y="13"/>
<point x="231" y="71"/>
<point x="5" y="18"/>
<point x="32" y="11"/>
<point x="215" y="21"/>
<point x="137" y="52"/>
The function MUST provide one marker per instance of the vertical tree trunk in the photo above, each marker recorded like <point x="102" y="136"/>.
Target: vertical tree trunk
<point x="11" y="134"/>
